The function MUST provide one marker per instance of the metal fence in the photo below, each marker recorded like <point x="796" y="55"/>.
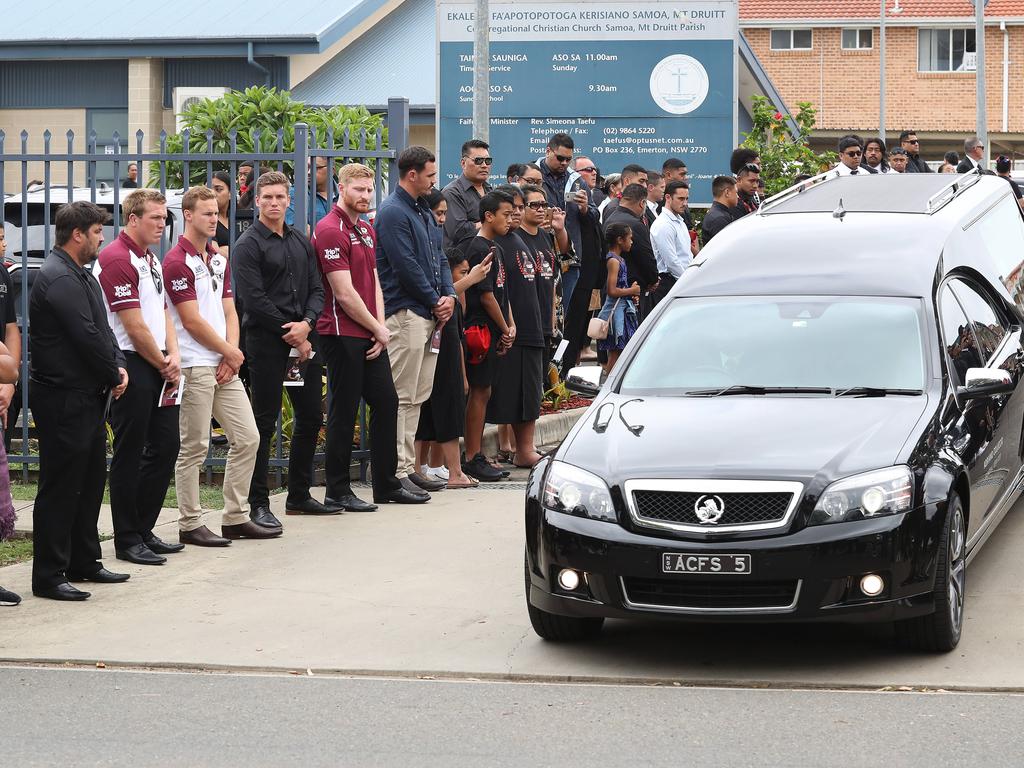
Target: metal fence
<point x="29" y="216"/>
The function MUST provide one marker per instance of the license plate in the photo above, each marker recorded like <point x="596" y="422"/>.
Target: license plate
<point x="684" y="562"/>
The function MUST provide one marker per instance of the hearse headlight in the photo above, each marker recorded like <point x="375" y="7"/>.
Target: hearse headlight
<point x="861" y="497"/>
<point x="577" y="492"/>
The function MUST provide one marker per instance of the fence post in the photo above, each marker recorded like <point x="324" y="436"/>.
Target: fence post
<point x="301" y="172"/>
<point x="398" y="135"/>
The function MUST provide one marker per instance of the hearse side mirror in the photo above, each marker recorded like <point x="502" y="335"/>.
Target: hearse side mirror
<point x="584" y="380"/>
<point x="982" y="382"/>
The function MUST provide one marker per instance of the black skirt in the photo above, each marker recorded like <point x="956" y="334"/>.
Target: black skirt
<point x="443" y="415"/>
<point x="518" y="386"/>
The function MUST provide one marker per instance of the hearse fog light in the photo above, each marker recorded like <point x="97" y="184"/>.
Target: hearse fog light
<point x="871" y="585"/>
<point x="577" y="492"/>
<point x="870" y="494"/>
<point x="568" y="579"/>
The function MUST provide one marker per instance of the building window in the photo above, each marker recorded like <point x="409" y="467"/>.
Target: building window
<point x="857" y="40"/>
<point x="791" y="39"/>
<point x="946" y="50"/>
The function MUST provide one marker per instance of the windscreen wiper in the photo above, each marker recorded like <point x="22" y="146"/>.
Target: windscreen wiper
<point x="748" y="389"/>
<point x="874" y="392"/>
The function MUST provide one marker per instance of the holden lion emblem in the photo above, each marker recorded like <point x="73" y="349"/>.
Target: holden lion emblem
<point x="709" y="509"/>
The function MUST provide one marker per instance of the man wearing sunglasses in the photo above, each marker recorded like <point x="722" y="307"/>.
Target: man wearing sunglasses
<point x="974" y="156"/>
<point x="910" y="144"/>
<point x="586" y="168"/>
<point x="464" y="194"/>
<point x="145" y="434"/>
<point x="850" y="153"/>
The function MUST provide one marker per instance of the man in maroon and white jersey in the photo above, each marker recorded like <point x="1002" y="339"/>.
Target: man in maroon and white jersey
<point x="198" y="283"/>
<point x="354" y="339"/>
<point x="145" y="434"/>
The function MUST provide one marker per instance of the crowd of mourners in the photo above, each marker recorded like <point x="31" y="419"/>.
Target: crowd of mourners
<point x="443" y="309"/>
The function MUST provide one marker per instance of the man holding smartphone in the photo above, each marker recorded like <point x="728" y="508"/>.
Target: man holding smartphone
<point x="145" y="434"/>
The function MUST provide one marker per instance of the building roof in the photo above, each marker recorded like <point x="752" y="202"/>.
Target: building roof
<point x="793" y="10"/>
<point x="396" y="56"/>
<point x="104" y="28"/>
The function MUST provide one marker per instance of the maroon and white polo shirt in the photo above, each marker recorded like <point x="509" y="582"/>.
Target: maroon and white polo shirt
<point x="342" y="245"/>
<point x="203" y="278"/>
<point x="132" y="278"/>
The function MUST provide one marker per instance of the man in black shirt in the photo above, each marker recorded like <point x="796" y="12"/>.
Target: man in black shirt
<point x="464" y="194"/>
<point x="76" y="368"/>
<point x="912" y="146"/>
<point x="1003" y="165"/>
<point x="720" y="215"/>
<point x="132" y="182"/>
<point x="641" y="264"/>
<point x="276" y="276"/>
<point x="490" y="328"/>
<point x="10" y="394"/>
<point x="748" y="198"/>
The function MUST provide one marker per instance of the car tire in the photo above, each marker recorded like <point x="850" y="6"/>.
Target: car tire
<point x="940" y="631"/>
<point x="556" y="628"/>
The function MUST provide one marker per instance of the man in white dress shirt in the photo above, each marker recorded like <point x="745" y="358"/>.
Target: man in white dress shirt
<point x="670" y="238"/>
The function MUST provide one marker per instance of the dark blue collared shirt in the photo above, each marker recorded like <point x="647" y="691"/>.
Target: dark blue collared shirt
<point x="413" y="271"/>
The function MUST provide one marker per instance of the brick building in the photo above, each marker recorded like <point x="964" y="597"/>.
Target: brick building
<point x="827" y="53"/>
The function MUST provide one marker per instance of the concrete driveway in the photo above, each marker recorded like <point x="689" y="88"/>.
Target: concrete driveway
<point x="437" y="590"/>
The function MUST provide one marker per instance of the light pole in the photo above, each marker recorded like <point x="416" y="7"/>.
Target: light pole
<point x="979" y="71"/>
<point x="482" y="71"/>
<point x="881" y="75"/>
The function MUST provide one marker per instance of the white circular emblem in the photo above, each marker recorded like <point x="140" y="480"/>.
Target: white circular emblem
<point x="679" y="84"/>
<point x="709" y="509"/>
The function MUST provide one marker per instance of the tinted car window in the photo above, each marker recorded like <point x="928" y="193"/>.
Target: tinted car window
<point x="1001" y="230"/>
<point x="956" y="334"/>
<point x="988" y="329"/>
<point x="798" y="341"/>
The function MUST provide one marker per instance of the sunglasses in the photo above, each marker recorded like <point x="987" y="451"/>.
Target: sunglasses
<point x="538" y="205"/>
<point x="913" y="141"/>
<point x="563" y="158"/>
<point x="854" y="153"/>
<point x="750" y="167"/>
<point x="589" y="169"/>
<point x="481" y="160"/>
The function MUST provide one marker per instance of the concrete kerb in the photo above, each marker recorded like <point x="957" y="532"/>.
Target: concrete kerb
<point x="551" y="430"/>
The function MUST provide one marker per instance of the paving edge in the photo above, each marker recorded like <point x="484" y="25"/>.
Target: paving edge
<point x="501" y="677"/>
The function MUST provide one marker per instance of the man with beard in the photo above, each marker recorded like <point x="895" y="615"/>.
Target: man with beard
<point x="670" y="238"/>
<point x="76" y="369"/>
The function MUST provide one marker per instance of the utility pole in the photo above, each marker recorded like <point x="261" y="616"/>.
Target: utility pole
<point x="979" y="47"/>
<point x="482" y="71"/>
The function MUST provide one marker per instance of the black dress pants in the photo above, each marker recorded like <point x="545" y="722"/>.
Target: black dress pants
<point x="351" y="377"/>
<point x="146" y="442"/>
<point x="268" y="362"/>
<point x="72" y="473"/>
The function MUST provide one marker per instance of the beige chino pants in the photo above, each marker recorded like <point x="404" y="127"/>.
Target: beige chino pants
<point x="412" y="368"/>
<point x="204" y="398"/>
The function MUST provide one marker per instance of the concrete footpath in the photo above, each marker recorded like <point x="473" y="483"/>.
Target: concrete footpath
<point x="437" y="590"/>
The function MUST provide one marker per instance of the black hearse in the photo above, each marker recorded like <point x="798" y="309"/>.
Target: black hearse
<point x="821" y="422"/>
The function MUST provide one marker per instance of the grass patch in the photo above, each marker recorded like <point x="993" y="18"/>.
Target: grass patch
<point x="210" y="496"/>
<point x="15" y="551"/>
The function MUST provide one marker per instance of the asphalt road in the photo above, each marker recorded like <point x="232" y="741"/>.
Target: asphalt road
<point x="106" y="717"/>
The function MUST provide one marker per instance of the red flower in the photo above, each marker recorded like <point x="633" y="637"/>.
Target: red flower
<point x="778" y="115"/>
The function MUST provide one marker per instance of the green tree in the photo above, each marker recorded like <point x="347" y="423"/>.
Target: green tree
<point x="783" y="155"/>
<point x="256" y="115"/>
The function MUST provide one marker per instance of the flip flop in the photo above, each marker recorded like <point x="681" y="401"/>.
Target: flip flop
<point x="505" y="456"/>
<point x="473" y="483"/>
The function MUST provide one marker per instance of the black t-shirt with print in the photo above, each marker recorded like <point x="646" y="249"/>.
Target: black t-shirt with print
<point x="494" y="283"/>
<point x="542" y="247"/>
<point x="521" y="271"/>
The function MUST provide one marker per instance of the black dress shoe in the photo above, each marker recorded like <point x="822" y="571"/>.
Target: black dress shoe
<point x="261" y="515"/>
<point x="61" y="592"/>
<point x="161" y="547"/>
<point x="102" y="576"/>
<point x="350" y="503"/>
<point x="402" y="496"/>
<point x="140" y="554"/>
<point x="202" y="537"/>
<point x="309" y="506"/>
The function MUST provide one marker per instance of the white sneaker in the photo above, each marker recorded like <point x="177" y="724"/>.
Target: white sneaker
<point x="441" y="473"/>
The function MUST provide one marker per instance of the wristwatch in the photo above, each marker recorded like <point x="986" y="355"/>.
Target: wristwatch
<point x="311" y="322"/>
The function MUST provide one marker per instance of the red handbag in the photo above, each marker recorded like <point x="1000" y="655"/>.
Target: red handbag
<point x="478" y="343"/>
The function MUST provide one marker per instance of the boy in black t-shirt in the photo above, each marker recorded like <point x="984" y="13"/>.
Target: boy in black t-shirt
<point x="490" y="329"/>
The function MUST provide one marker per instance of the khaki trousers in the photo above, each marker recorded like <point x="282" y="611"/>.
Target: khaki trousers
<point x="204" y="398"/>
<point x="412" y="368"/>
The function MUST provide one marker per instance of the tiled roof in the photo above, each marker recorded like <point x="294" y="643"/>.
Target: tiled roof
<point x="869" y="9"/>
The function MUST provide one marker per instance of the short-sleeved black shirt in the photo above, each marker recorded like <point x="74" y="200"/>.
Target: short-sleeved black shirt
<point x="494" y="283"/>
<point x="7" y="308"/>
<point x="521" y="273"/>
<point x="542" y="248"/>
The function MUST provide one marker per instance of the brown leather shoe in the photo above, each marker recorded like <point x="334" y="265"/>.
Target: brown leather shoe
<point x="249" y="530"/>
<point x="202" y="537"/>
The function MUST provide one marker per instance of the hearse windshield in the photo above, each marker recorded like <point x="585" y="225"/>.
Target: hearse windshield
<point x="763" y="345"/>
